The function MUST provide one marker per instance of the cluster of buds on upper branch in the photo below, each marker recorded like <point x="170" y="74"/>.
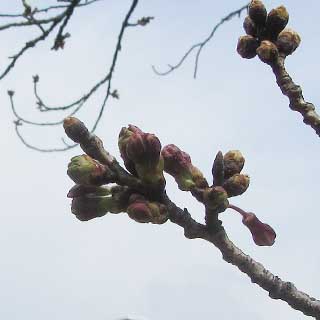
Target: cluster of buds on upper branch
<point x="266" y="35"/>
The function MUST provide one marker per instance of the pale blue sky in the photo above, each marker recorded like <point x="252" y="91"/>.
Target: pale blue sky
<point x="55" y="267"/>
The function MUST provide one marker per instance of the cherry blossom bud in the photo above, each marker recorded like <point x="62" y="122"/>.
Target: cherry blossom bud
<point x="144" y="149"/>
<point x="288" y="41"/>
<point x="277" y="20"/>
<point x="247" y="46"/>
<point x="233" y="163"/>
<point x="124" y="136"/>
<point x="216" y="199"/>
<point x="262" y="233"/>
<point x="257" y="12"/>
<point x="178" y="164"/>
<point x="75" y="129"/>
<point x="85" y="170"/>
<point x="144" y="211"/>
<point x="267" y="52"/>
<point x="236" y="185"/>
<point x="87" y="208"/>
<point x="250" y="27"/>
<point x="83" y="190"/>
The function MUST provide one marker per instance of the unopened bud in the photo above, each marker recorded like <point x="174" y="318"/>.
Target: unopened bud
<point x="144" y="211"/>
<point x="218" y="169"/>
<point x="216" y="199"/>
<point x="124" y="136"/>
<point x="277" y="20"/>
<point x="75" y="129"/>
<point x="85" y="170"/>
<point x="250" y="27"/>
<point x="178" y="164"/>
<point x="144" y="149"/>
<point x="262" y="233"/>
<point x="247" y="46"/>
<point x="87" y="208"/>
<point x="267" y="52"/>
<point x="83" y="190"/>
<point x="288" y="41"/>
<point x="257" y="12"/>
<point x="236" y="185"/>
<point x="233" y="163"/>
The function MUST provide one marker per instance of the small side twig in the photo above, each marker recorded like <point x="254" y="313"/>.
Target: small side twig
<point x="199" y="46"/>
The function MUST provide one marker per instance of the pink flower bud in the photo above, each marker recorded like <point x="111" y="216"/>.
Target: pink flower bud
<point x="178" y="164"/>
<point x="143" y="149"/>
<point x="144" y="211"/>
<point x="262" y="233"/>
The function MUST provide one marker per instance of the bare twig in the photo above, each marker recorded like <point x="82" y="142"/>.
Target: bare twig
<point x="79" y="103"/>
<point x="199" y="46"/>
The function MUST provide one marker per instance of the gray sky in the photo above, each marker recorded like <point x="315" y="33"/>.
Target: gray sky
<point x="55" y="267"/>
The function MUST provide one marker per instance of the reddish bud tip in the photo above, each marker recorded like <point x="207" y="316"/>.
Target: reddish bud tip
<point x="262" y="233"/>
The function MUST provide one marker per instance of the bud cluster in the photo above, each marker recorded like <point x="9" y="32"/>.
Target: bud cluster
<point x="140" y="152"/>
<point x="266" y="35"/>
<point x="226" y="173"/>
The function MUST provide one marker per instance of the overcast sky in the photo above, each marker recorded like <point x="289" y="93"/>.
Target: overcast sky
<point x="56" y="267"/>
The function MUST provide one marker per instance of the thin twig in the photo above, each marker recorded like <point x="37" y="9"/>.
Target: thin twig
<point x="199" y="46"/>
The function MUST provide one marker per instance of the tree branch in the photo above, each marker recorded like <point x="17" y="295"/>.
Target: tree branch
<point x="277" y="288"/>
<point x="295" y="96"/>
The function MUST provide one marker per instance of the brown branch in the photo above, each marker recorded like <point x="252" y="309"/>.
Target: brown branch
<point x="294" y="93"/>
<point x="199" y="46"/>
<point x="277" y="288"/>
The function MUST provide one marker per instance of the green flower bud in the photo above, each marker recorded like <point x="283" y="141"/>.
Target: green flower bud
<point x="87" y="208"/>
<point x="233" y="163"/>
<point x="216" y="199"/>
<point x="236" y="185"/>
<point x="83" y="190"/>
<point x="247" y="46"/>
<point x="288" y="41"/>
<point x="85" y="170"/>
<point x="267" y="52"/>
<point x="257" y="12"/>
<point x="250" y="27"/>
<point x="277" y="20"/>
